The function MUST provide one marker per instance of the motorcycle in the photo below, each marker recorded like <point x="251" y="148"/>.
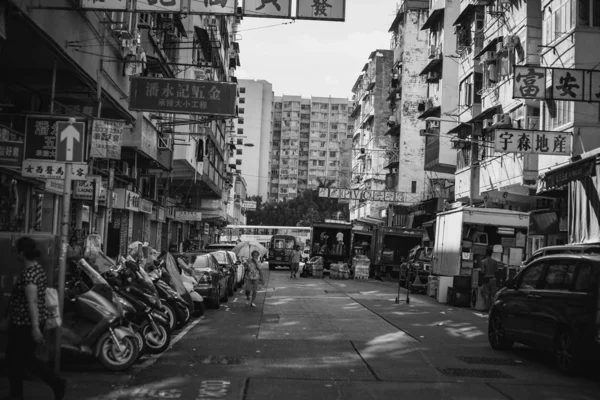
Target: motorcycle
<point x="92" y="321"/>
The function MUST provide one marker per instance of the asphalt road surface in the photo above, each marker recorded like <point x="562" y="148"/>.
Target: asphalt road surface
<point x="332" y="339"/>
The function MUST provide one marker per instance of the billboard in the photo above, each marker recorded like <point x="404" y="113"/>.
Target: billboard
<point x="532" y="142"/>
<point x="567" y="84"/>
<point x="362" y="194"/>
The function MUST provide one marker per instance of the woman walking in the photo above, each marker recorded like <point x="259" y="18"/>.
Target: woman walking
<point x="27" y="316"/>
<point x="253" y="276"/>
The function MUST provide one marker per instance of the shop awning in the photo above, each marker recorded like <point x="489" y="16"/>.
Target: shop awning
<point x="435" y="16"/>
<point x="489" y="46"/>
<point x="431" y="112"/>
<point x="464" y="15"/>
<point x="487" y="113"/>
<point x="462" y="130"/>
<point x="370" y="221"/>
<point x="573" y="171"/>
<point x="433" y="65"/>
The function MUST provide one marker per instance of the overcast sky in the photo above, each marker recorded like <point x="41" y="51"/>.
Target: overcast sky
<point x="315" y="58"/>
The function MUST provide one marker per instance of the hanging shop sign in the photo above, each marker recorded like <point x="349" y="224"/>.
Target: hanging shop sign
<point x="565" y="84"/>
<point x="321" y="10"/>
<point x="113" y="5"/>
<point x="145" y="206"/>
<point x="359" y="194"/>
<point x="11" y="146"/>
<point x="188" y="215"/>
<point x="56" y="186"/>
<point x="158" y="214"/>
<point x="84" y="190"/>
<point x="54" y="139"/>
<point x="127" y="200"/>
<point x="268" y="8"/>
<point x="249" y="205"/>
<point x="107" y="138"/>
<point x="532" y="142"/>
<point x="53" y="170"/>
<point x="161" y="6"/>
<point x="183" y="96"/>
<point x="222" y="7"/>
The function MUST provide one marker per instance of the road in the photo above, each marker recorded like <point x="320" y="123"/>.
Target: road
<point x="333" y="339"/>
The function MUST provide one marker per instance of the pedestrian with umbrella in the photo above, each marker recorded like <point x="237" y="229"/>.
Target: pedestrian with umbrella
<point x="252" y="278"/>
<point x="245" y="249"/>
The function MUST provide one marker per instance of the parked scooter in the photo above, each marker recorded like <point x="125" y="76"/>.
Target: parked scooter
<point x="92" y="320"/>
<point x="190" y="282"/>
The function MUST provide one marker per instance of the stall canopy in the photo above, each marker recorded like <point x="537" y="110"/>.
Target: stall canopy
<point x="565" y="174"/>
<point x="584" y="202"/>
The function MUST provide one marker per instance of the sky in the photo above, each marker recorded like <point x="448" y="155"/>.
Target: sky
<point x="314" y="58"/>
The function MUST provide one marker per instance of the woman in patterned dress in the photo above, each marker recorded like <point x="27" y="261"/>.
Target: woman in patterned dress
<point x="253" y="276"/>
<point x="27" y="316"/>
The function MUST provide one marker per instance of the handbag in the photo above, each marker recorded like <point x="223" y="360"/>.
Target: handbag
<point x="52" y="305"/>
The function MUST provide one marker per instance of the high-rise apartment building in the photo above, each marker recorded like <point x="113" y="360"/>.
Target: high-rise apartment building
<point x="310" y="144"/>
<point x="253" y="135"/>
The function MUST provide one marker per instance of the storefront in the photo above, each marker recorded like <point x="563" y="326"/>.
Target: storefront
<point x="157" y="221"/>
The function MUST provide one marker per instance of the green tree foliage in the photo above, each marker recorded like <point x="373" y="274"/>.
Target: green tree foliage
<point x="303" y="210"/>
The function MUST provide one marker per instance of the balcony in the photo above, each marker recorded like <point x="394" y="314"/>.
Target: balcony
<point x="143" y="140"/>
<point x="505" y="171"/>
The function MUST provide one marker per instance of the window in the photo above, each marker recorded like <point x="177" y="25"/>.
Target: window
<point x="413" y="187"/>
<point x="238" y="162"/>
<point x="240" y="120"/>
<point x="531" y="276"/>
<point x="240" y="141"/>
<point x="322" y="154"/>
<point x="242" y="110"/>
<point x="242" y="90"/>
<point x="242" y="100"/>
<point x="587" y="279"/>
<point x="558" y="113"/>
<point x="559" y="18"/>
<point x="332" y="154"/>
<point x="588" y="13"/>
<point x="321" y="163"/>
<point x="240" y="131"/>
<point x="238" y="152"/>
<point x="559" y="276"/>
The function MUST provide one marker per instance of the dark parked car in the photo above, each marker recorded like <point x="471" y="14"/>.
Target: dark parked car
<point x="552" y="304"/>
<point x="212" y="281"/>
<point x="587" y="248"/>
<point x="239" y="278"/>
<point x="228" y="266"/>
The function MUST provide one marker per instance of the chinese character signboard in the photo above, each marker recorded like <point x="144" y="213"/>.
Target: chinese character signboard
<point x="359" y="194"/>
<point x="212" y="7"/>
<point x="84" y="190"/>
<point x="106" y="139"/>
<point x="146" y="206"/>
<point x="40" y="138"/>
<point x="127" y="200"/>
<point x="565" y="84"/>
<point x="183" y="96"/>
<point x="249" y="205"/>
<point x="268" y="8"/>
<point x="53" y="170"/>
<point x="161" y="6"/>
<point x="529" y="83"/>
<point x="532" y="142"/>
<point x="188" y="215"/>
<point x="11" y="146"/>
<point x="116" y="5"/>
<point x="322" y="10"/>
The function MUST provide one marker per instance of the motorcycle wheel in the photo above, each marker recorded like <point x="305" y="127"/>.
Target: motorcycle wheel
<point x="156" y="341"/>
<point x="199" y="309"/>
<point x="186" y="316"/>
<point x="113" y="359"/>
<point x="140" y="343"/>
<point x="169" y="311"/>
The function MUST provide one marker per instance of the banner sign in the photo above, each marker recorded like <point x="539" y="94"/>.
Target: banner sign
<point x="84" y="190"/>
<point x="127" y="200"/>
<point x="222" y="7"/>
<point x="532" y="142"/>
<point x="107" y="137"/>
<point x="146" y="206"/>
<point x="321" y="10"/>
<point x="360" y="194"/>
<point x="53" y="170"/>
<point x="113" y="5"/>
<point x="268" y="8"/>
<point x="160" y="6"/>
<point x="183" y="96"/>
<point x="11" y="146"/>
<point x="188" y="215"/>
<point x="249" y="205"/>
<point x="565" y="84"/>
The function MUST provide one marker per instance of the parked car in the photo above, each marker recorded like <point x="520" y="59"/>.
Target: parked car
<point x="586" y="248"/>
<point x="219" y="246"/>
<point x="239" y="269"/>
<point x="551" y="304"/>
<point x="212" y="280"/>
<point x="228" y="266"/>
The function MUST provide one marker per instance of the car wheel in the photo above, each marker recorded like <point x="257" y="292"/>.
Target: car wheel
<point x="231" y="289"/>
<point x="497" y="334"/>
<point x="216" y="301"/>
<point x="564" y="352"/>
<point x="225" y="297"/>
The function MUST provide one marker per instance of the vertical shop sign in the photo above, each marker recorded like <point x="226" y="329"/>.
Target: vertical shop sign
<point x="40" y="138"/>
<point x="11" y="146"/>
<point x="529" y="83"/>
<point x="567" y="84"/>
<point x="222" y="7"/>
<point x="107" y="137"/>
<point x="268" y="8"/>
<point x="321" y="10"/>
<point x="161" y="6"/>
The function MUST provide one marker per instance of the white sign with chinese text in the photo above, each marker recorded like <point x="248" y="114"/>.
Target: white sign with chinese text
<point x="323" y="10"/>
<point x="107" y="137"/>
<point x="567" y="84"/>
<point x="84" y="190"/>
<point x="188" y="215"/>
<point x="212" y="7"/>
<point x="249" y="205"/>
<point x="56" y="186"/>
<point x="529" y="83"/>
<point x="532" y="142"/>
<point x="268" y="8"/>
<point x="161" y="6"/>
<point x="117" y="5"/>
<point x="360" y="194"/>
<point x="146" y="206"/>
<point x="127" y="200"/>
<point x="53" y="170"/>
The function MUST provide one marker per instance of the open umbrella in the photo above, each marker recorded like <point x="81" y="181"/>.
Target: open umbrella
<point x="245" y="249"/>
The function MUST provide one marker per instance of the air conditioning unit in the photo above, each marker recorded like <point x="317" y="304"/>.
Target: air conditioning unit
<point x="487" y="123"/>
<point x="487" y="57"/>
<point x="501" y="120"/>
<point x="433" y="75"/>
<point x="432" y="51"/>
<point x="212" y="21"/>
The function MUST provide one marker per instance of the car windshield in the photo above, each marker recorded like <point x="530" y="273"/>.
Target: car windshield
<point x="221" y="257"/>
<point x="203" y="262"/>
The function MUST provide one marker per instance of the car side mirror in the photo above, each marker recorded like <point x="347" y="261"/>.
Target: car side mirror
<point x="510" y="283"/>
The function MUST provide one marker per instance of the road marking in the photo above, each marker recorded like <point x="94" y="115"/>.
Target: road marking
<point x="174" y="341"/>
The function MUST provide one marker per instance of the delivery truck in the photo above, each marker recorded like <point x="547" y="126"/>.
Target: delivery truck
<point x="392" y="245"/>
